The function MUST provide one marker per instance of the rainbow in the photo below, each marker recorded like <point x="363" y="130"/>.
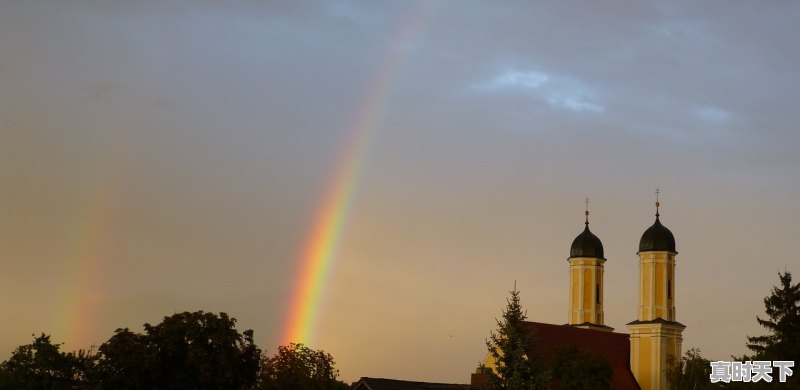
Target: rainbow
<point x="79" y="296"/>
<point x="319" y="252"/>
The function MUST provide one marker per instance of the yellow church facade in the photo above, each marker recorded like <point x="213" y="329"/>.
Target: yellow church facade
<point x="656" y="336"/>
<point x="643" y="358"/>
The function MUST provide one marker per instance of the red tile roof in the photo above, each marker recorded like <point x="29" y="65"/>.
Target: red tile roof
<point x="614" y="347"/>
<point x="393" y="384"/>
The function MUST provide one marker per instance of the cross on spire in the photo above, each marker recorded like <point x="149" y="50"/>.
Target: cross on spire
<point x="657" y="202"/>
<point x="587" y="210"/>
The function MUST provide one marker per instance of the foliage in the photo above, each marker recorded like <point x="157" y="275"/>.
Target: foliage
<point x="692" y="372"/>
<point x="782" y="342"/>
<point x="576" y="369"/>
<point x="299" y="367"/>
<point x="783" y="324"/>
<point x="41" y="365"/>
<point x="185" y="351"/>
<point x="125" y="361"/>
<point x="516" y="367"/>
<point x="189" y="350"/>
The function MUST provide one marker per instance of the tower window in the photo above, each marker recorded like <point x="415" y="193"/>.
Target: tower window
<point x="597" y="294"/>
<point x="669" y="289"/>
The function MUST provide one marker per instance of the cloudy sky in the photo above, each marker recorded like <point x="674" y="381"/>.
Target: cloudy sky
<point x="163" y="156"/>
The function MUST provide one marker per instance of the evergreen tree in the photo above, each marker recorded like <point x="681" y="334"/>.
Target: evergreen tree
<point x="515" y="368"/>
<point x="783" y="309"/>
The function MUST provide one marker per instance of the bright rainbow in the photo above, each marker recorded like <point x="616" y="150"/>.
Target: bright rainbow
<point x="319" y="252"/>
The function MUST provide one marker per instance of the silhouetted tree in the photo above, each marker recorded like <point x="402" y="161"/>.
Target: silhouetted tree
<point x="576" y="369"/>
<point x="185" y="351"/>
<point x="298" y="367"/>
<point x="783" y="309"/>
<point x="515" y="365"/>
<point x="126" y="362"/>
<point x="692" y="373"/>
<point x="41" y="365"/>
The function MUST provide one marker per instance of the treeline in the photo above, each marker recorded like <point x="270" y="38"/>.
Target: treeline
<point x="781" y="343"/>
<point x="190" y="350"/>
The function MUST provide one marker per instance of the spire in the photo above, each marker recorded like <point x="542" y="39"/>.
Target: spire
<point x="587" y="211"/>
<point x="657" y="202"/>
<point x="657" y="237"/>
<point x="586" y="244"/>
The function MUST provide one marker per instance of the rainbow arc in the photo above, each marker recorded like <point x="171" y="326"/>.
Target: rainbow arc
<point x="321" y="247"/>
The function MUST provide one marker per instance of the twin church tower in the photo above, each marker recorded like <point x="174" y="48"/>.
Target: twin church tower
<point x="655" y="336"/>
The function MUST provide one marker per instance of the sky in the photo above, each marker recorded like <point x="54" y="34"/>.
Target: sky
<point x="166" y="156"/>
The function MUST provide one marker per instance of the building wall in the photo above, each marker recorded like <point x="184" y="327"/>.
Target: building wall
<point x="655" y="350"/>
<point x="586" y="286"/>
<point x="656" y="286"/>
<point x="655" y="336"/>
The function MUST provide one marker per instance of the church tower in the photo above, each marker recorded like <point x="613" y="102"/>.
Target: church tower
<point x="656" y="335"/>
<point x="586" y="280"/>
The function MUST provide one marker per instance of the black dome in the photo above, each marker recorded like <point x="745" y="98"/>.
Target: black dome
<point x="657" y="238"/>
<point x="586" y="245"/>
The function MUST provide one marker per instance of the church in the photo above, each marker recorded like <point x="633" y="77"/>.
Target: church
<point x="640" y="359"/>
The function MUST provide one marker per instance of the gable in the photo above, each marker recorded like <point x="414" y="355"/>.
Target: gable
<point x="366" y="383"/>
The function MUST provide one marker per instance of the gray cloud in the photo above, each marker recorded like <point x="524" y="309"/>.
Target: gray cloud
<point x="559" y="92"/>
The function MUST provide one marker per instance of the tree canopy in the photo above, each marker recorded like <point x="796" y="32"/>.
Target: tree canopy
<point x="577" y="369"/>
<point x="42" y="365"/>
<point x="298" y="367"/>
<point x="692" y="372"/>
<point x="189" y="350"/>
<point x="185" y="351"/>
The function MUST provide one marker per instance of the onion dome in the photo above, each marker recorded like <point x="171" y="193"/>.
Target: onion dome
<point x="586" y="244"/>
<point x="657" y="237"/>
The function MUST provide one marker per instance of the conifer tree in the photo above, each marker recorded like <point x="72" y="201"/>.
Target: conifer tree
<point x="515" y="369"/>
<point x="783" y="309"/>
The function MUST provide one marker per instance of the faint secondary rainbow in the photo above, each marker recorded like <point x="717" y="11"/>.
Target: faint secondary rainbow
<point x="83" y="281"/>
<point x="321" y="246"/>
